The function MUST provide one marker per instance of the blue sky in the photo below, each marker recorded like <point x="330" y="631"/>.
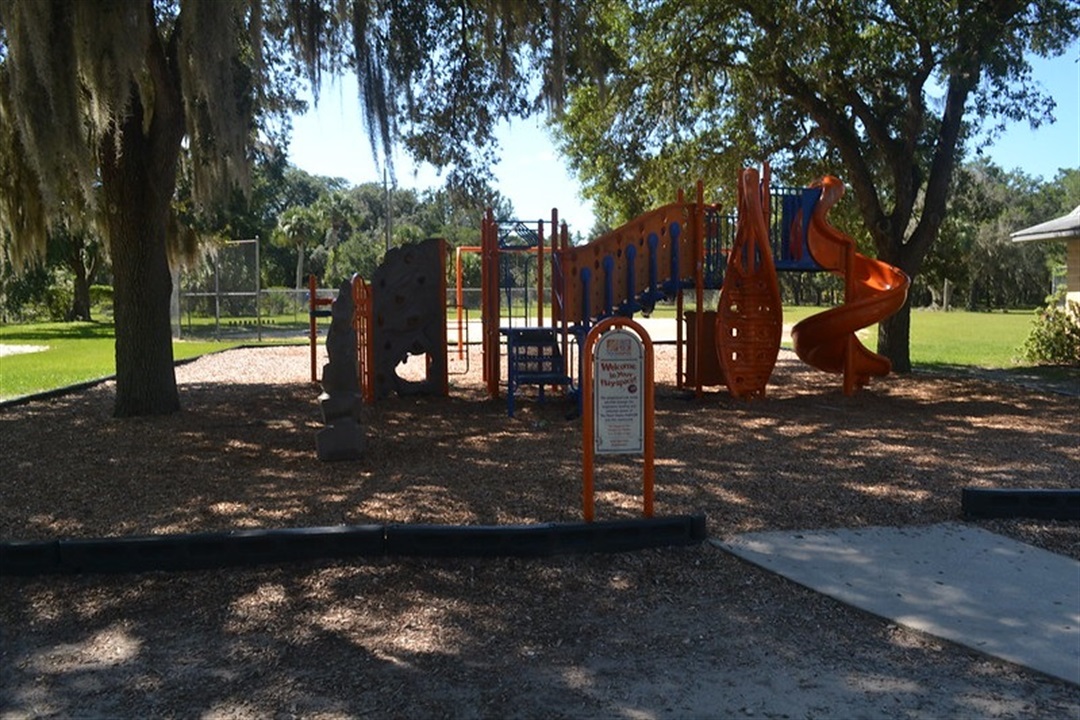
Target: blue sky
<point x="330" y="140"/>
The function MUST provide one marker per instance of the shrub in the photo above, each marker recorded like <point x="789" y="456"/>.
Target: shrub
<point x="101" y="294"/>
<point x="279" y="301"/>
<point x="1055" y="334"/>
<point x="101" y="300"/>
<point x="58" y="301"/>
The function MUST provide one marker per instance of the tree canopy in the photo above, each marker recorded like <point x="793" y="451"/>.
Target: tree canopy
<point x="102" y="104"/>
<point x="888" y="94"/>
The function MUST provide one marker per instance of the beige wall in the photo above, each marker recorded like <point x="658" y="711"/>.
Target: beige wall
<point x="1072" y="269"/>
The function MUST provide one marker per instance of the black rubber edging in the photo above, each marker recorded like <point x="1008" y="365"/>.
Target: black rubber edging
<point x="1020" y="503"/>
<point x="203" y="551"/>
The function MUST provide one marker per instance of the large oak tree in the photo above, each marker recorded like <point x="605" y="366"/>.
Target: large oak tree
<point x="102" y="100"/>
<point x="886" y="93"/>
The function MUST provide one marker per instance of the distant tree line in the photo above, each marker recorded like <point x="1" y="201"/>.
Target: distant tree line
<point x="307" y="224"/>
<point x="324" y="226"/>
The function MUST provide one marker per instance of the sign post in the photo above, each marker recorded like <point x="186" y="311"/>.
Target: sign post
<point x="617" y="394"/>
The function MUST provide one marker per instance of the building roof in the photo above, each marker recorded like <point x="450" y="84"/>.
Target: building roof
<point x="1066" y="227"/>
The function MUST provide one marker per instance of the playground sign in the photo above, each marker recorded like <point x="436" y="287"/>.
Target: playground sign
<point x="619" y="394"/>
<point x="617" y="402"/>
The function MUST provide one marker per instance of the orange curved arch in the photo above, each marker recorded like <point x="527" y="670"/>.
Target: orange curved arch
<point x="749" y="319"/>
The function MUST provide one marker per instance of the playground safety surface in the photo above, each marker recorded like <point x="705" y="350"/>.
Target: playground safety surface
<point x="674" y="632"/>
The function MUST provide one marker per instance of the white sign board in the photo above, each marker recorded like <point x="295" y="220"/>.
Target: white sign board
<point x="618" y="394"/>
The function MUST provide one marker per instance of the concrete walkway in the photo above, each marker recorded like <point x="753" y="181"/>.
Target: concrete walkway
<point x="962" y="583"/>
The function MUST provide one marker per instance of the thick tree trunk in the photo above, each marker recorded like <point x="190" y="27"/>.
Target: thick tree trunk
<point x="138" y="180"/>
<point x="80" y="303"/>
<point x="894" y="338"/>
<point x="145" y="379"/>
<point x="82" y="260"/>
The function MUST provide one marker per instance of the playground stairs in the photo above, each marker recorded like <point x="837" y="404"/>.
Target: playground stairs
<point x="533" y="357"/>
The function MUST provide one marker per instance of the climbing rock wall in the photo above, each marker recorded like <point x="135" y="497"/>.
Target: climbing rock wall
<point x="343" y="437"/>
<point x="410" y="317"/>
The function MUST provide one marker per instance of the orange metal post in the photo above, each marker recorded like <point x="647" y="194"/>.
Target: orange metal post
<point x="490" y="292"/>
<point x="564" y="248"/>
<point x="556" y="258"/>
<point x="484" y="272"/>
<point x="699" y="284"/>
<point x="460" y="295"/>
<point x="540" y="274"/>
<point x="459" y="299"/>
<point x="680" y="365"/>
<point x="766" y="196"/>
<point x="588" y="428"/>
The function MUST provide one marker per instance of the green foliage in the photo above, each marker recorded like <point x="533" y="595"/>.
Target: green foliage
<point x="23" y="293"/>
<point x="974" y="251"/>
<point x="883" y="94"/>
<point x="851" y="90"/>
<point x="38" y="293"/>
<point x="342" y="230"/>
<point x="101" y="294"/>
<point x="1055" y="334"/>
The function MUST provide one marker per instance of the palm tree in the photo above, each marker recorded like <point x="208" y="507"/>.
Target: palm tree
<point x="299" y="227"/>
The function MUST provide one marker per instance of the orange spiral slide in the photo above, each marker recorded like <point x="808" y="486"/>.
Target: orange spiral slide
<point x="874" y="290"/>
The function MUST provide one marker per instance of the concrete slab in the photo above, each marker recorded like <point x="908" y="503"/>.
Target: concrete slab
<point x="958" y="582"/>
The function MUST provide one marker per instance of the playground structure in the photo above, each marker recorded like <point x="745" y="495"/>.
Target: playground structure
<point x="401" y="312"/>
<point x="680" y="248"/>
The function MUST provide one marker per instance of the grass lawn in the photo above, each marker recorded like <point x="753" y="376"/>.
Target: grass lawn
<point x="989" y="340"/>
<point x="77" y="352"/>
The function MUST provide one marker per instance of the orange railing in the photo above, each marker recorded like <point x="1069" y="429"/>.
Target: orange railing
<point x="363" y="322"/>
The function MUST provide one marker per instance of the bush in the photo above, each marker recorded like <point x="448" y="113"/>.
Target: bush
<point x="101" y="294"/>
<point x="101" y="300"/>
<point x="1055" y="334"/>
<point x="58" y="301"/>
<point x="281" y="301"/>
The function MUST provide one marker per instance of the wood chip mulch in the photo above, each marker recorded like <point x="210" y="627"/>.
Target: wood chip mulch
<point x="241" y="455"/>
<point x="665" y="633"/>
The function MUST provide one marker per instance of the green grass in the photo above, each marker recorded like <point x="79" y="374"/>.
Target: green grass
<point x="77" y="352"/>
<point x="204" y="328"/>
<point x="986" y="340"/>
<point x="958" y="338"/>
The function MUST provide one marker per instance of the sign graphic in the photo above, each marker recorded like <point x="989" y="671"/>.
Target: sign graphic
<point x="618" y="392"/>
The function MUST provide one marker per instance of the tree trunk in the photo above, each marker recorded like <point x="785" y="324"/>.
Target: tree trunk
<point x="894" y="335"/>
<point x="138" y="179"/>
<point x="300" y="284"/>
<point x="80" y="303"/>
